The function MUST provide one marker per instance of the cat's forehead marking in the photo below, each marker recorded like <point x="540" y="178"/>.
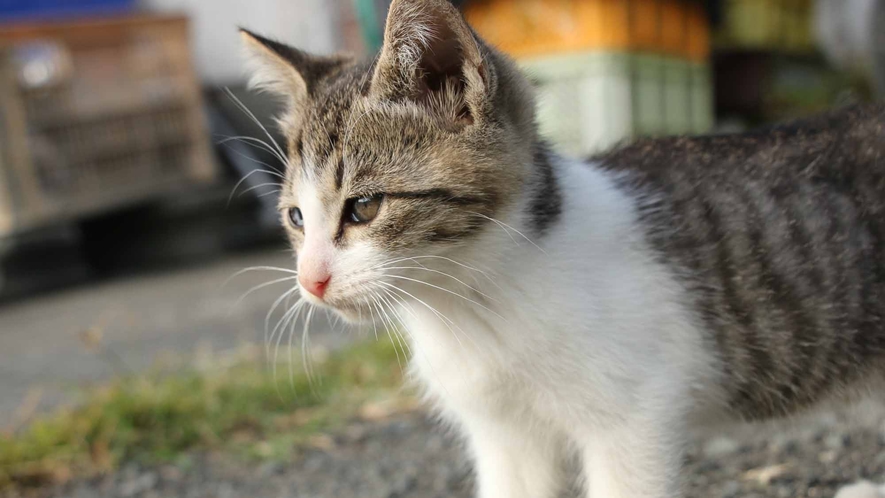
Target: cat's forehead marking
<point x="326" y="128"/>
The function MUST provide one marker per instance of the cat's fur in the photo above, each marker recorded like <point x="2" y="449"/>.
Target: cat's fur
<point x="555" y="306"/>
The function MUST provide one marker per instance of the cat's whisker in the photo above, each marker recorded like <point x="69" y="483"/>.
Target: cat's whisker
<point x="258" y="268"/>
<point x="237" y="186"/>
<point x="385" y="318"/>
<point x="273" y="308"/>
<point x="251" y="115"/>
<point x="440" y="258"/>
<point x="329" y="319"/>
<point x="502" y="227"/>
<point x="260" y="185"/>
<point x="446" y="320"/>
<point x="388" y="262"/>
<point x="337" y="323"/>
<point x="450" y="260"/>
<point x="272" y="170"/>
<point x="257" y="143"/>
<point x="465" y="284"/>
<point x="372" y="316"/>
<point x="262" y="286"/>
<point x="505" y="227"/>
<point x="397" y="330"/>
<point x="288" y="325"/>
<point x="378" y="308"/>
<point x="448" y="291"/>
<point x="289" y="354"/>
<point x="272" y="192"/>
<point x="408" y="307"/>
<point x="292" y="318"/>
<point x="392" y="290"/>
<point x="393" y="330"/>
<point x="291" y="314"/>
<point x="305" y="348"/>
<point x="471" y="267"/>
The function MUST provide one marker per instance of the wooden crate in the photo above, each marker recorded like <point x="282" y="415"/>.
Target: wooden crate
<point x="96" y="114"/>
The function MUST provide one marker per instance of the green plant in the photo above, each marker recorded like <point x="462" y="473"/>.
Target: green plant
<point x="158" y="417"/>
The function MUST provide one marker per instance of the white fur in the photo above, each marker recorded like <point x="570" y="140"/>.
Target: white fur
<point x="318" y="253"/>
<point x="576" y="342"/>
<point x="596" y="353"/>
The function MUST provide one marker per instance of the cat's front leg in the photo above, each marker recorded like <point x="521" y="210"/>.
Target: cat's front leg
<point x="641" y="458"/>
<point x="513" y="460"/>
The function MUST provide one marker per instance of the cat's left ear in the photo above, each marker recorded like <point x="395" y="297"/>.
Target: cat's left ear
<point x="286" y="71"/>
<point x="431" y="56"/>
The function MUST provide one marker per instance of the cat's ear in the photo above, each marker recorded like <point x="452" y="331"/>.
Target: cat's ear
<point x="430" y="55"/>
<point x="286" y="71"/>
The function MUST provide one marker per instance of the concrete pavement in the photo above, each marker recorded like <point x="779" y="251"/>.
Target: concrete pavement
<point x="44" y="341"/>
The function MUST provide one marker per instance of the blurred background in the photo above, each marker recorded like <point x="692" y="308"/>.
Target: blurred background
<point x="132" y="189"/>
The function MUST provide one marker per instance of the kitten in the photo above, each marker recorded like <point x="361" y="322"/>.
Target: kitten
<point x="555" y="306"/>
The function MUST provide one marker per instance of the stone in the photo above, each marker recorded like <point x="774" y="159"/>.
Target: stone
<point x="720" y="446"/>
<point x="863" y="489"/>
<point x="138" y="485"/>
<point x="835" y="441"/>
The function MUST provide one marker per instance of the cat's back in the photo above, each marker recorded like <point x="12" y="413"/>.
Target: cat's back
<point x="779" y="236"/>
<point x="835" y="147"/>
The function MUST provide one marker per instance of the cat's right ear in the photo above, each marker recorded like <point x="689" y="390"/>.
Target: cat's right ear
<point x="286" y="71"/>
<point x="431" y="56"/>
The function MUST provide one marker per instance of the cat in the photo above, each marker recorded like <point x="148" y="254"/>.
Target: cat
<point x="553" y="305"/>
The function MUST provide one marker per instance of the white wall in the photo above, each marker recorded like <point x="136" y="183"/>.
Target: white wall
<point x="307" y="24"/>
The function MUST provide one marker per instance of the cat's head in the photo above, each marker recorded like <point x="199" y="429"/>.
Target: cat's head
<point x="408" y="156"/>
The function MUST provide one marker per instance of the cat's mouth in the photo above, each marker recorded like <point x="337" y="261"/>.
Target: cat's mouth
<point x="353" y="309"/>
<point x="354" y="313"/>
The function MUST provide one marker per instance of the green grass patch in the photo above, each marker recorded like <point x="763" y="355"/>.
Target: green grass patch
<point x="242" y="407"/>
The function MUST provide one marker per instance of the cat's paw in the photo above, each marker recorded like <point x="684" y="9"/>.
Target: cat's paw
<point x="863" y="489"/>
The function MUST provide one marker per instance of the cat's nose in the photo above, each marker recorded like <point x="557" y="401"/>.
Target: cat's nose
<point x="316" y="285"/>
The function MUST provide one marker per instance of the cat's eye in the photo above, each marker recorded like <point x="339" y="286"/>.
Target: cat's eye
<point x="296" y="218"/>
<point x="362" y="209"/>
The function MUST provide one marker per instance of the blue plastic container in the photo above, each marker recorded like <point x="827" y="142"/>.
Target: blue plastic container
<point x="11" y="10"/>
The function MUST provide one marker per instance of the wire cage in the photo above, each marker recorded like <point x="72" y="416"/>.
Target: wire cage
<point x="96" y="114"/>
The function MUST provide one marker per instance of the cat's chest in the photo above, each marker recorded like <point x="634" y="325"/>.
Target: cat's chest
<point x="466" y="358"/>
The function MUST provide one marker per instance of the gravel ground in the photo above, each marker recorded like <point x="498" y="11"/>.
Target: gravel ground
<point x="407" y="456"/>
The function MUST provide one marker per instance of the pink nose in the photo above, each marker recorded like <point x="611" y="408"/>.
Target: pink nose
<point x="316" y="286"/>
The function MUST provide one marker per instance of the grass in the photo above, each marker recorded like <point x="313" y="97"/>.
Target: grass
<point x="241" y="407"/>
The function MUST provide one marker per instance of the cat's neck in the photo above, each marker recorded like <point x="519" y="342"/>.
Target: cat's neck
<point x="517" y="281"/>
<point x="571" y="221"/>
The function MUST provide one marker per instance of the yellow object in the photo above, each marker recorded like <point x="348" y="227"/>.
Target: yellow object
<point x="541" y="27"/>
<point x="765" y="24"/>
